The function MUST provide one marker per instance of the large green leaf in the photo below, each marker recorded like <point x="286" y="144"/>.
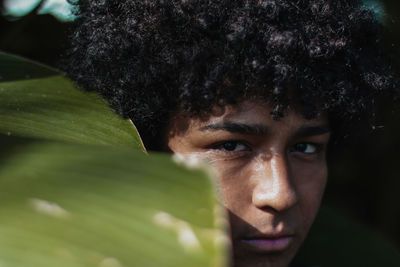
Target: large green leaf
<point x="78" y="205"/>
<point x="39" y="102"/>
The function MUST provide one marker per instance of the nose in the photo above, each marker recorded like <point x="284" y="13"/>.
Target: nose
<point x="273" y="187"/>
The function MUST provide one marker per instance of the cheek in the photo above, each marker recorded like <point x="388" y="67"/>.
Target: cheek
<point x="232" y="182"/>
<point x="310" y="185"/>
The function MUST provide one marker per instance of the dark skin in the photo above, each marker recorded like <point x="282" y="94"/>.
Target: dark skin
<point x="271" y="175"/>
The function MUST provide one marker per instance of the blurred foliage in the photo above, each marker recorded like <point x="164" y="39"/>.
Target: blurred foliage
<point x="364" y="180"/>
<point x="94" y="198"/>
<point x="61" y="9"/>
<point x="39" y="102"/>
<point x="377" y="7"/>
<point x="38" y="37"/>
<point x="78" y="205"/>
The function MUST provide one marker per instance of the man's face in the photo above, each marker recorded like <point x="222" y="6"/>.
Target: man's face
<point x="271" y="175"/>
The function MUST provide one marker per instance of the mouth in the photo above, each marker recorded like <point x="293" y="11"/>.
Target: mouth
<point x="268" y="243"/>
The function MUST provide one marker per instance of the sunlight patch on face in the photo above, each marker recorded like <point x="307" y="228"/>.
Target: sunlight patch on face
<point x="201" y="161"/>
<point x="196" y="160"/>
<point x="259" y="166"/>
<point x="190" y="161"/>
<point x="273" y="184"/>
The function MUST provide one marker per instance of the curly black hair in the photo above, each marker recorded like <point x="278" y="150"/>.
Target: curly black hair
<point x="150" y="58"/>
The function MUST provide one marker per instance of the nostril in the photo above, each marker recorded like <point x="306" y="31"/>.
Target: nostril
<point x="273" y="189"/>
<point x="275" y="198"/>
<point x="269" y="209"/>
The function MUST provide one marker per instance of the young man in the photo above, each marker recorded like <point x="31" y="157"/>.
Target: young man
<point x="258" y="88"/>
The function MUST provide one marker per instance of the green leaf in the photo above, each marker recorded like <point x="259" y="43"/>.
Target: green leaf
<point x="39" y="102"/>
<point x="78" y="205"/>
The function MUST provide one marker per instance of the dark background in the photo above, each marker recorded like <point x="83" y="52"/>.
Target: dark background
<point x="364" y="180"/>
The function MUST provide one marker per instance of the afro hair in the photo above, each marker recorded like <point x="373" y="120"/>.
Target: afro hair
<point x="151" y="58"/>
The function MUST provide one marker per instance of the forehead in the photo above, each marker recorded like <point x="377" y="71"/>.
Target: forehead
<point x="254" y="113"/>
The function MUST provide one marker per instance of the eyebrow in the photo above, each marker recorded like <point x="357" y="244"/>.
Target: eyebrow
<point x="306" y="131"/>
<point x="234" y="127"/>
<point x="259" y="129"/>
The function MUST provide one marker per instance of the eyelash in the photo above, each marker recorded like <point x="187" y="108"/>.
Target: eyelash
<point x="318" y="148"/>
<point x="220" y="146"/>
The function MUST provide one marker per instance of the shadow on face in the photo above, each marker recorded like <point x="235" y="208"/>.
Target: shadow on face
<point x="271" y="175"/>
<point x="247" y="254"/>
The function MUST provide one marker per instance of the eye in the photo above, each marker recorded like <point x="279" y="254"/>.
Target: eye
<point x="232" y="146"/>
<point x="306" y="148"/>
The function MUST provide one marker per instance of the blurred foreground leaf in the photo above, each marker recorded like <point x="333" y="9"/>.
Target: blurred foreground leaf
<point x="78" y="205"/>
<point x="39" y="102"/>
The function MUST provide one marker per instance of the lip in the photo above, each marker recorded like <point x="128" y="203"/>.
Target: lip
<point x="268" y="243"/>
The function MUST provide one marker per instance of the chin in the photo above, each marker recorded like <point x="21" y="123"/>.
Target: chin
<point x="272" y="260"/>
<point x="243" y="258"/>
<point x="245" y="255"/>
